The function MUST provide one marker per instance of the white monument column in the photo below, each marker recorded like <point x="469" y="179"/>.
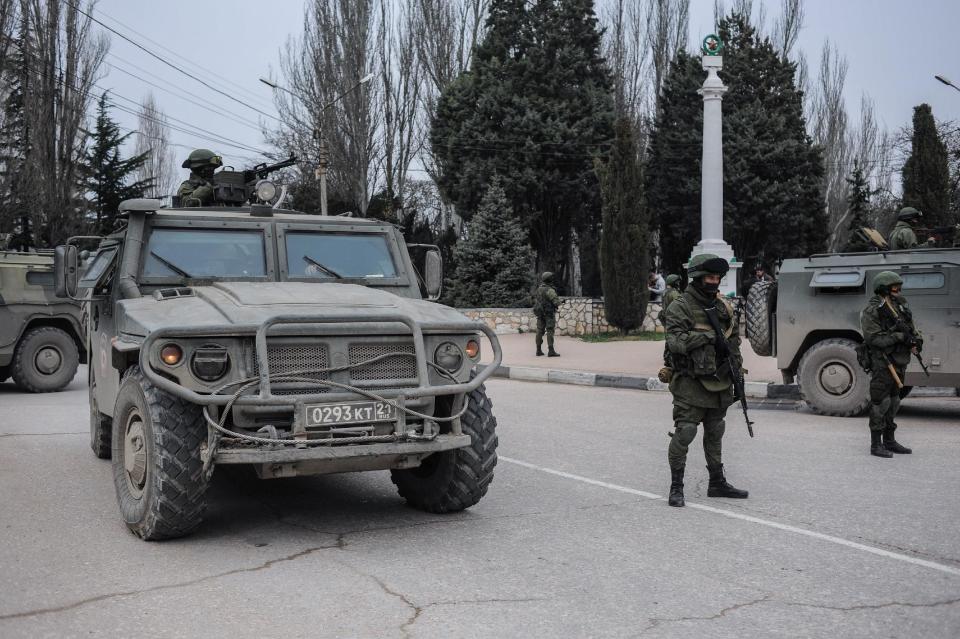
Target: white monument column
<point x="711" y="196"/>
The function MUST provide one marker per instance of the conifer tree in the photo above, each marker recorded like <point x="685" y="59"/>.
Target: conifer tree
<point x="926" y="178"/>
<point x="106" y="174"/>
<point x="493" y="263"/>
<point x="623" y="241"/>
<point x="858" y="210"/>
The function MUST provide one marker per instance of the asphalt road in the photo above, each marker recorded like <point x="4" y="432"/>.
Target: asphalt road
<point x="574" y="538"/>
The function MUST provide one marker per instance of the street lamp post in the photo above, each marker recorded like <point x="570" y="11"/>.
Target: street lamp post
<point x="323" y="155"/>
<point x="947" y="82"/>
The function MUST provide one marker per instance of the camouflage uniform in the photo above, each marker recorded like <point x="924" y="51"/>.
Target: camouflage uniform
<point x="701" y="389"/>
<point x="673" y="291"/>
<point x="887" y="344"/>
<point x="902" y="235"/>
<point x="545" y="308"/>
<point x="198" y="189"/>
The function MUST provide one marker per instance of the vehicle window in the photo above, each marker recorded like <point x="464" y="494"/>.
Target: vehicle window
<point x="838" y="279"/>
<point x="40" y="278"/>
<point x="202" y="253"/>
<point x="333" y="255"/>
<point x="97" y="267"/>
<point x="922" y="280"/>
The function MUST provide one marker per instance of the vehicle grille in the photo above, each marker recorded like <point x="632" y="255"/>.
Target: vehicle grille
<point x="396" y="367"/>
<point x="290" y="358"/>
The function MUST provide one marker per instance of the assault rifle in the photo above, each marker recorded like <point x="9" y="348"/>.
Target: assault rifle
<point x="908" y="330"/>
<point x="725" y="356"/>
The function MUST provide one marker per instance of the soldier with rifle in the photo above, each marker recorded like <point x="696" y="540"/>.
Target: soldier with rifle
<point x="197" y="190"/>
<point x="226" y="187"/>
<point x="704" y="342"/>
<point x="890" y="338"/>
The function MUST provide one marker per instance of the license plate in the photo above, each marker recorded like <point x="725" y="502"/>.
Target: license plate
<point x="349" y="413"/>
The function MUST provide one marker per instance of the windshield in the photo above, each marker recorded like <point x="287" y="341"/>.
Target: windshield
<point x="201" y="253"/>
<point x="338" y="255"/>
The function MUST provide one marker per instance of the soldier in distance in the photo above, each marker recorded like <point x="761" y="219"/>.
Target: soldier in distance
<point x="890" y="339"/>
<point x="545" y="304"/>
<point x="702" y="389"/>
<point x="197" y="190"/>
<point x="903" y="236"/>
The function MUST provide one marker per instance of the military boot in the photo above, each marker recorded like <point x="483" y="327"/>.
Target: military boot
<point x="552" y="353"/>
<point x="877" y="448"/>
<point x="539" y="352"/>
<point x="892" y="444"/>
<point x="719" y="487"/>
<point x="676" y="487"/>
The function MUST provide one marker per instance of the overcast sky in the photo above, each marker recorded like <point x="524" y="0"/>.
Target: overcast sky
<point x="894" y="48"/>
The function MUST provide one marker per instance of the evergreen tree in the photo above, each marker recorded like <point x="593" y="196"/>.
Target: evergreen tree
<point x="534" y="108"/>
<point x="772" y="171"/>
<point x="926" y="178"/>
<point x="106" y="174"/>
<point x="494" y="261"/>
<point x="623" y="241"/>
<point x="858" y="211"/>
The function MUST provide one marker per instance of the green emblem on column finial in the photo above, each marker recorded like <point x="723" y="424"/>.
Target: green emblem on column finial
<point x="712" y="45"/>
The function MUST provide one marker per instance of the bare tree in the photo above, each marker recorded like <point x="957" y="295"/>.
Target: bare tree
<point x="668" y="22"/>
<point x="787" y="26"/>
<point x="322" y="70"/>
<point x="628" y="57"/>
<point x="153" y="138"/>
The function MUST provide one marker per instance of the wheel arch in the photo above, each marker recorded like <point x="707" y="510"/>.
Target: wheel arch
<point x="815" y="337"/>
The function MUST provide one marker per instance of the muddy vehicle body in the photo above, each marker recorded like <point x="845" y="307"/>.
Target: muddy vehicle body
<point x="809" y="319"/>
<point x="41" y="341"/>
<point x="295" y="344"/>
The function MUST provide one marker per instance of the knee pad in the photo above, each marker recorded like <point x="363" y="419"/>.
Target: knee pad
<point x="684" y="433"/>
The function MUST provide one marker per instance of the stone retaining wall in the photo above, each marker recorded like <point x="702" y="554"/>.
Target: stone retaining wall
<point x="576" y="316"/>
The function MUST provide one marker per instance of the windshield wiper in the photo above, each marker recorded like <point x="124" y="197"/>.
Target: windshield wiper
<point x="325" y="269"/>
<point x="170" y="265"/>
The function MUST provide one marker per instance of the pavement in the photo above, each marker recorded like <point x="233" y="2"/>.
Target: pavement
<point x="574" y="538"/>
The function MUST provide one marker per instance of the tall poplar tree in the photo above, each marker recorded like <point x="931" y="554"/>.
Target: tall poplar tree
<point x="926" y="177"/>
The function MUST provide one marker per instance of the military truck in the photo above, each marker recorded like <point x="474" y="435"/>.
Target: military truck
<point x="294" y="344"/>
<point x="809" y="319"/>
<point x="40" y="335"/>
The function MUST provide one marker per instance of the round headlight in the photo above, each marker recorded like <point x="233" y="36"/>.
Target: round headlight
<point x="266" y="190"/>
<point x="210" y="362"/>
<point x="473" y="349"/>
<point x="448" y="356"/>
<point x="171" y="354"/>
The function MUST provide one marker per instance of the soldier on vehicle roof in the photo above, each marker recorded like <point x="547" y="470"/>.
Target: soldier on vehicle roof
<point x="890" y="337"/>
<point x="702" y="388"/>
<point x="545" y="304"/>
<point x="198" y="189"/>
<point x="902" y="236"/>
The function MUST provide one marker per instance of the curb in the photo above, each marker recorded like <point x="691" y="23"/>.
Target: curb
<point x="754" y="390"/>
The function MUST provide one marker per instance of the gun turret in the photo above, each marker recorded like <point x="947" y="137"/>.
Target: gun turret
<point x="236" y="188"/>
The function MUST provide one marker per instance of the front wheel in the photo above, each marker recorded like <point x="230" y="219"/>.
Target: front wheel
<point x="452" y="480"/>
<point x="157" y="469"/>
<point x="46" y="360"/>
<point x="831" y="380"/>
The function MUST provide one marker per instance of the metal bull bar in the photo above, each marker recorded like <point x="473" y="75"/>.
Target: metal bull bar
<point x="266" y="397"/>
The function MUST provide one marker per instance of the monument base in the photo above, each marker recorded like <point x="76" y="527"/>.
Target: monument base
<point x="721" y="249"/>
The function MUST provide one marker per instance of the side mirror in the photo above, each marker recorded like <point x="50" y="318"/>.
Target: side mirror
<point x="433" y="273"/>
<point x="66" y="271"/>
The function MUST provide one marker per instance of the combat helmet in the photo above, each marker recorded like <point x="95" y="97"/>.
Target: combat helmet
<point x="884" y="280"/>
<point x="908" y="214"/>
<point x="201" y="158"/>
<point x="673" y="279"/>
<point x="547" y="277"/>
<point x="707" y="264"/>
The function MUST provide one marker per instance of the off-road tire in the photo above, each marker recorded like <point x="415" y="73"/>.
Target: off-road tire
<point x="25" y="369"/>
<point x="761" y="304"/>
<point x="171" y="503"/>
<point x="100" y="425"/>
<point x="452" y="480"/>
<point x="833" y="362"/>
<point x="4" y="374"/>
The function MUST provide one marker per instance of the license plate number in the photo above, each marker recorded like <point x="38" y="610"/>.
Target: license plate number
<point x="349" y="413"/>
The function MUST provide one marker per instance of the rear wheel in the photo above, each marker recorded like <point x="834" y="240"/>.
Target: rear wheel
<point x="831" y="380"/>
<point x="46" y="360"/>
<point x="453" y="480"/>
<point x="761" y="303"/>
<point x="157" y="469"/>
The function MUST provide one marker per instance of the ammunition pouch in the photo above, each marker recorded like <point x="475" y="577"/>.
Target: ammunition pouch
<point x="665" y="375"/>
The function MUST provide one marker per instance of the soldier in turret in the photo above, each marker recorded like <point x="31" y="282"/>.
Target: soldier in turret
<point x="197" y="190"/>
<point x="702" y="387"/>
<point x="545" y="304"/>
<point x="902" y="236"/>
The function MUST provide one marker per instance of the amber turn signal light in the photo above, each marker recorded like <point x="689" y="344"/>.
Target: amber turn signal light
<point x="473" y="349"/>
<point x="171" y="354"/>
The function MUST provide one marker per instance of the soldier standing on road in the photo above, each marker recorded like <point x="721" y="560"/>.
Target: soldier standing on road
<point x="702" y="391"/>
<point x="198" y="189"/>
<point x="890" y="344"/>
<point x="545" y="304"/>
<point x="902" y="235"/>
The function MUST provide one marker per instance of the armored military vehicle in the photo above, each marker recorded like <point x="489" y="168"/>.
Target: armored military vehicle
<point x="810" y="321"/>
<point x="295" y="344"/>
<point x="40" y="335"/>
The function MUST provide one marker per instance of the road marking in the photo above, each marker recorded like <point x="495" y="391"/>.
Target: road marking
<point x="950" y="570"/>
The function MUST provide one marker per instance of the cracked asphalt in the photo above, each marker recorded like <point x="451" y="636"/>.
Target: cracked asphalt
<point x="571" y="540"/>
